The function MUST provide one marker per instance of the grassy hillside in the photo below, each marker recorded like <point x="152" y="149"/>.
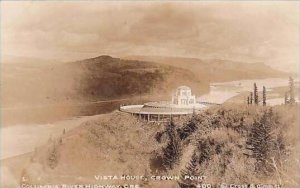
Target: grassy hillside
<point x="235" y="144"/>
<point x="110" y="145"/>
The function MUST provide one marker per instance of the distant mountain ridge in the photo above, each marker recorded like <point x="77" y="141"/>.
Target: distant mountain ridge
<point x="217" y="70"/>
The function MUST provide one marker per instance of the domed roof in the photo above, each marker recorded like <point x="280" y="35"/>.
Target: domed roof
<point x="183" y="88"/>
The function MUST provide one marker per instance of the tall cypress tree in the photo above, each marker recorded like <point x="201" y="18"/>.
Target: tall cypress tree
<point x="191" y="169"/>
<point x="261" y="142"/>
<point x="255" y="94"/>
<point x="264" y="96"/>
<point x="292" y="88"/>
<point x="188" y="129"/>
<point x="251" y="97"/>
<point x="172" y="152"/>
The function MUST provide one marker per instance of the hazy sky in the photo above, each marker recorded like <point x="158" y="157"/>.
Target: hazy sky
<point x="245" y="31"/>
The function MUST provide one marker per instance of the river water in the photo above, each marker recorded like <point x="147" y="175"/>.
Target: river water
<point x="221" y="92"/>
<point x="20" y="139"/>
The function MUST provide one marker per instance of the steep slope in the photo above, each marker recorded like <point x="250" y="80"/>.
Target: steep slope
<point x="115" y="144"/>
<point x="107" y="77"/>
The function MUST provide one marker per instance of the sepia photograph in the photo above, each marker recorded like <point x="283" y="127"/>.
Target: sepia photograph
<point x="149" y="94"/>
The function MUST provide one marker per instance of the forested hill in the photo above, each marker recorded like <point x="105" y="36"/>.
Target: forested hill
<point x="99" y="78"/>
<point x="107" y="77"/>
<point x="46" y="92"/>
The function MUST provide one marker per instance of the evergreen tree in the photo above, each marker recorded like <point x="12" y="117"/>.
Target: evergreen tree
<point x="191" y="169"/>
<point x="261" y="143"/>
<point x="264" y="96"/>
<point x="60" y="140"/>
<point x="205" y="147"/>
<point x="251" y="98"/>
<point x="53" y="156"/>
<point x="255" y="94"/>
<point x="172" y="152"/>
<point x="291" y="91"/>
<point x="188" y="129"/>
<point x="203" y="153"/>
<point x="159" y="135"/>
